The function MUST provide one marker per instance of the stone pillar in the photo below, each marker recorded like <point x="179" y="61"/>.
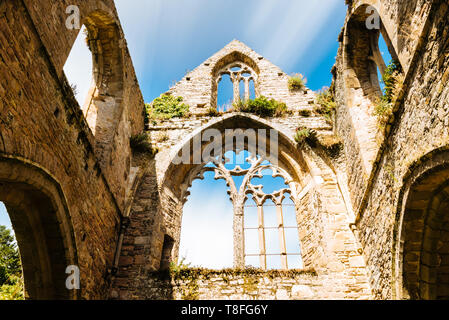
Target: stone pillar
<point x="263" y="251"/>
<point x="377" y="56"/>
<point x="239" y="238"/>
<point x="236" y="85"/>
<point x="247" y="93"/>
<point x="282" y="236"/>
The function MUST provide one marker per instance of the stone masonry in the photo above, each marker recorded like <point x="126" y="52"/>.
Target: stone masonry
<point x="372" y="218"/>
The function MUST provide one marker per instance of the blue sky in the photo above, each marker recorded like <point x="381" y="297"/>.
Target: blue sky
<point x="166" y="39"/>
<point x="4" y="219"/>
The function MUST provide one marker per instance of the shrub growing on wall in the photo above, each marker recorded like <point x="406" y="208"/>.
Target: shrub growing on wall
<point x="296" y="82"/>
<point x="140" y="143"/>
<point x="166" y="107"/>
<point x="392" y="79"/>
<point x="262" y="107"/>
<point x="325" y="103"/>
<point x="304" y="134"/>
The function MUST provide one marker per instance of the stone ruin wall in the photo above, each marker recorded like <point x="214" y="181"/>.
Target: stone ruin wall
<point x="353" y="244"/>
<point x="418" y="130"/>
<point x="324" y="219"/>
<point x="42" y="127"/>
<point x="199" y="93"/>
<point x="258" y="286"/>
<point x="356" y="123"/>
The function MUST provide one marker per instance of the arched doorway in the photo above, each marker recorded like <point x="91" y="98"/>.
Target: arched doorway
<point x="422" y="241"/>
<point x="101" y="102"/>
<point x="39" y="216"/>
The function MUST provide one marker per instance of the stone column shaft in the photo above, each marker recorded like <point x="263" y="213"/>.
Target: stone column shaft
<point x="282" y="237"/>
<point x="262" y="248"/>
<point x="236" y="85"/>
<point x="239" y="237"/>
<point x="377" y="56"/>
<point x="247" y="93"/>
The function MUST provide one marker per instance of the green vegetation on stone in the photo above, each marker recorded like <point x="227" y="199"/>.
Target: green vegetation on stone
<point x="325" y="103"/>
<point x="262" y="107"/>
<point x="140" y="143"/>
<point x="304" y="134"/>
<point x="297" y="82"/>
<point x="392" y="80"/>
<point x="166" y="107"/>
<point x="11" y="284"/>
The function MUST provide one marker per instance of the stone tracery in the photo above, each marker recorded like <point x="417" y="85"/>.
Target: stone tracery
<point x="238" y="71"/>
<point x="239" y="196"/>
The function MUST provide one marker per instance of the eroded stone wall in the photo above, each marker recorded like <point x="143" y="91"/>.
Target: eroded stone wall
<point x="419" y="127"/>
<point x="42" y="125"/>
<point x="235" y="285"/>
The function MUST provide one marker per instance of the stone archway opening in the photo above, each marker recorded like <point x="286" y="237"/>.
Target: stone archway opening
<point x="271" y="235"/>
<point x="11" y="275"/>
<point x="42" y="228"/>
<point x="225" y="93"/>
<point x="206" y="230"/>
<point x="369" y="52"/>
<point x="79" y="68"/>
<point x="368" y="104"/>
<point x="242" y="78"/>
<point x="238" y="177"/>
<point x="422" y="253"/>
<point x="243" y="74"/>
<point x="95" y="70"/>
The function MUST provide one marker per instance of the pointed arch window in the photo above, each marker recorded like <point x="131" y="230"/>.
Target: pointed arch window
<point x="265" y="228"/>
<point x="243" y="78"/>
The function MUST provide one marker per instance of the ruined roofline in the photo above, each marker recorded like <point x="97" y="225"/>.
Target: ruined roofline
<point x="199" y="87"/>
<point x="243" y="48"/>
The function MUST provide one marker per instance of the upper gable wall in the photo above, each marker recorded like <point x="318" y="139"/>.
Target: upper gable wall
<point x="197" y="86"/>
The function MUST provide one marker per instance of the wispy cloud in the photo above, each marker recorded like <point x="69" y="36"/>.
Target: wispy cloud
<point x="140" y="22"/>
<point x="206" y="237"/>
<point x="296" y="25"/>
<point x="165" y="38"/>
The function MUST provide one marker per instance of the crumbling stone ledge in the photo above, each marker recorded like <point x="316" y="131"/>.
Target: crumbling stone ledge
<point x="236" y="284"/>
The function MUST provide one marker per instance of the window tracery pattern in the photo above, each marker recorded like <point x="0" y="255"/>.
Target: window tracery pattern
<point x="238" y="71"/>
<point x="257" y="167"/>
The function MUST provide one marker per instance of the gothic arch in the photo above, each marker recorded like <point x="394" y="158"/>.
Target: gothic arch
<point x="103" y="105"/>
<point x="290" y="158"/>
<point x="178" y="178"/>
<point x="421" y="235"/>
<point x="43" y="228"/>
<point x="361" y="59"/>
<point x="362" y="56"/>
<point x="225" y="66"/>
